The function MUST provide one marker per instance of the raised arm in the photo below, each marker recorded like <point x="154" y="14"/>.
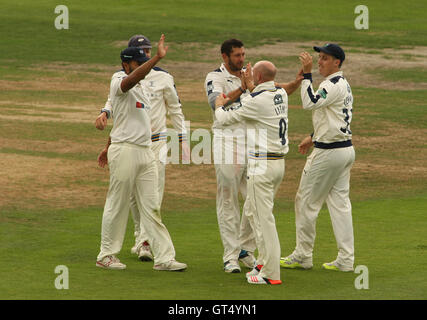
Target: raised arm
<point x="312" y="100"/>
<point x="139" y="73"/>
<point x="290" y="87"/>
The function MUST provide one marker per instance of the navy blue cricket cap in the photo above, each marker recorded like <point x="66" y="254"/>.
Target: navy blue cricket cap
<point x="133" y="53"/>
<point x="332" y="49"/>
<point x="140" y="41"/>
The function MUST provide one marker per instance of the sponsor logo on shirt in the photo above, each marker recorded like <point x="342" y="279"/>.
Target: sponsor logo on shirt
<point x="139" y="105"/>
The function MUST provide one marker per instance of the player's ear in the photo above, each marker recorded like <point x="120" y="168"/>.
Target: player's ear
<point x="337" y="63"/>
<point x="125" y="66"/>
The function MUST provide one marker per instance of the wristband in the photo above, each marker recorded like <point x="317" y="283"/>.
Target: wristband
<point x="308" y="76"/>
<point x="107" y="112"/>
<point x="241" y="89"/>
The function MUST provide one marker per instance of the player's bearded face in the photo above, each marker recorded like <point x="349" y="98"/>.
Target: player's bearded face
<point x="236" y="59"/>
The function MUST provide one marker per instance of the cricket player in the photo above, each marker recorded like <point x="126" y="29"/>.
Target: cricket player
<point x="164" y="100"/>
<point x="236" y="233"/>
<point x="132" y="164"/>
<point x="229" y="142"/>
<point x="326" y="175"/>
<point x="265" y="112"/>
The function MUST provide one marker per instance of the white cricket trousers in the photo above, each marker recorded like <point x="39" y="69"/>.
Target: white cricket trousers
<point x="264" y="178"/>
<point x="326" y="177"/>
<point x="235" y="229"/>
<point x="159" y="149"/>
<point x="133" y="170"/>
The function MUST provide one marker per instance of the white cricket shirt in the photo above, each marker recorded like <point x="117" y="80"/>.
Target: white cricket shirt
<point x="130" y="109"/>
<point x="332" y="106"/>
<point x="159" y="86"/>
<point x="265" y="112"/>
<point x="220" y="81"/>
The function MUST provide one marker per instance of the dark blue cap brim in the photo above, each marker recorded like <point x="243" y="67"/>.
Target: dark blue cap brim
<point x="325" y="50"/>
<point x="145" y="59"/>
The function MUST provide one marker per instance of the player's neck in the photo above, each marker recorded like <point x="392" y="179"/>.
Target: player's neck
<point x="332" y="72"/>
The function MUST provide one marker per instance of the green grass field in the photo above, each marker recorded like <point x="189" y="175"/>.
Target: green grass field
<point x="54" y="82"/>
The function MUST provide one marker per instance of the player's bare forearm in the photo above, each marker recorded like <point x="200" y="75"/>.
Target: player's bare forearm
<point x="138" y="74"/>
<point x="108" y="143"/>
<point x="233" y="96"/>
<point x="290" y="87"/>
<point x="103" y="155"/>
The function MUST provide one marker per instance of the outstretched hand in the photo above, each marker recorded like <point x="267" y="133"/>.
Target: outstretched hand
<point x="161" y="48"/>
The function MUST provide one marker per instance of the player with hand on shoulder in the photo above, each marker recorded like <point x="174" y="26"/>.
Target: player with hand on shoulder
<point x="265" y="113"/>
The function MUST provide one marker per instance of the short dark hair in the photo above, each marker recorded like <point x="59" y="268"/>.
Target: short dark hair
<point x="228" y="46"/>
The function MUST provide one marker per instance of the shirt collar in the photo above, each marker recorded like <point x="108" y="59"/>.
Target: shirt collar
<point x="268" y="85"/>
<point x="227" y="74"/>
<point x="338" y="73"/>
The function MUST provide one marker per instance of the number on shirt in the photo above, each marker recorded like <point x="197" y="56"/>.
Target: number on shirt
<point x="282" y="131"/>
<point x="347" y="120"/>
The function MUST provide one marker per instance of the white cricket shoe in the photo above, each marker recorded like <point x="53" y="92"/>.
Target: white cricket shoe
<point x="232" y="266"/>
<point x="260" y="280"/>
<point x="247" y="258"/>
<point x="111" y="262"/>
<point x="255" y="271"/>
<point x="172" y="265"/>
<point x="144" y="252"/>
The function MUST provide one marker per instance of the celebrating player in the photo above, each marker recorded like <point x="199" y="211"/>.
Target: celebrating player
<point x="236" y="233"/>
<point x="132" y="164"/>
<point x="326" y="175"/>
<point x="265" y="112"/>
<point x="163" y="100"/>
